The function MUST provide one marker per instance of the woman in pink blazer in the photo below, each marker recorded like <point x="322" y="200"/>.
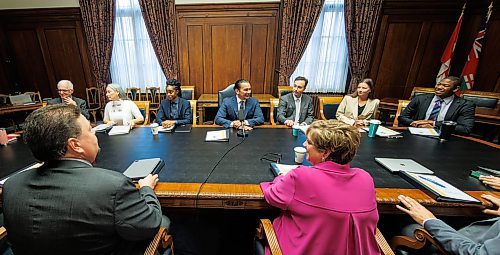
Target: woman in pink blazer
<point x="327" y="208"/>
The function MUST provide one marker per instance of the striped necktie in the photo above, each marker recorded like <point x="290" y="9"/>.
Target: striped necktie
<point x="435" y="110"/>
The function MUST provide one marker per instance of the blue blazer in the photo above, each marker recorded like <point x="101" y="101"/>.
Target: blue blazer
<point x="185" y="115"/>
<point x="228" y="112"/>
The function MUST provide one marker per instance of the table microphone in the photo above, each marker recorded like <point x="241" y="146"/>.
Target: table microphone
<point x="241" y="118"/>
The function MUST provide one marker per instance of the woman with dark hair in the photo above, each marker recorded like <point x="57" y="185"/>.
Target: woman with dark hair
<point x="174" y="110"/>
<point x="359" y="105"/>
<point x="327" y="208"/>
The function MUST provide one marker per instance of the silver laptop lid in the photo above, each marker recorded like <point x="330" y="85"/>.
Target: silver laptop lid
<point x="399" y="164"/>
<point x="20" y="99"/>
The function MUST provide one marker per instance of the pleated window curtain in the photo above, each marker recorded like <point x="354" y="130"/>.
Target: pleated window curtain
<point x="134" y="62"/>
<point x="324" y="62"/>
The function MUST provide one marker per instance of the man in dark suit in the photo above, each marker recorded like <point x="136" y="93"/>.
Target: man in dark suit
<point x="67" y="206"/>
<point x="228" y="111"/>
<point x="287" y="109"/>
<point x="174" y="110"/>
<point x="65" y="90"/>
<point x="428" y="111"/>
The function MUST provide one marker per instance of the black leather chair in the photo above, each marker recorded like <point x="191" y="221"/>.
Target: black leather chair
<point x="227" y="92"/>
<point x="482" y="98"/>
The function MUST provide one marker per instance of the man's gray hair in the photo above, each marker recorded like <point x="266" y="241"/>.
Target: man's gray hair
<point x="66" y="82"/>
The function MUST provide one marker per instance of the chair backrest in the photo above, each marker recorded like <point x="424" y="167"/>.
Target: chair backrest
<point x="187" y="92"/>
<point x="421" y="90"/>
<point x="93" y="98"/>
<point x="144" y="108"/>
<point x="483" y="98"/>
<point x="134" y="94"/>
<point x="227" y="92"/>
<point x="283" y="90"/>
<point x="401" y="107"/>
<point x="273" y="110"/>
<point x="153" y="95"/>
<point x="328" y="106"/>
<point x="35" y="96"/>
<point x="193" y="109"/>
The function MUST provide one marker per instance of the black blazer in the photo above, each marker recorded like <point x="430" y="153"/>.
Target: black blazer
<point x="68" y="207"/>
<point x="79" y="102"/>
<point x="461" y="111"/>
<point x="184" y="116"/>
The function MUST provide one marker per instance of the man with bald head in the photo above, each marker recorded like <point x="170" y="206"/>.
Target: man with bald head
<point x="65" y="90"/>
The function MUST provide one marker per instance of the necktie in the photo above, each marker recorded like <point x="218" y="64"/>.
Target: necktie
<point x="436" y="109"/>
<point x="173" y="110"/>
<point x="242" y="105"/>
<point x="297" y="110"/>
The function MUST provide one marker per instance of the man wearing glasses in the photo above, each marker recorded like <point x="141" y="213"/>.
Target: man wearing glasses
<point x="428" y="110"/>
<point x="65" y="90"/>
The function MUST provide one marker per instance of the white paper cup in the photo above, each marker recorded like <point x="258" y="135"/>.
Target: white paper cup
<point x="154" y="128"/>
<point x="300" y="153"/>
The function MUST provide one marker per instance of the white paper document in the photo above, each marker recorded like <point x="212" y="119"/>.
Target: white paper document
<point x="384" y="132"/>
<point x="442" y="188"/>
<point x="119" y="130"/>
<point x="165" y="130"/>
<point x="282" y="168"/>
<point x="219" y="135"/>
<point x="100" y="127"/>
<point x="423" y="131"/>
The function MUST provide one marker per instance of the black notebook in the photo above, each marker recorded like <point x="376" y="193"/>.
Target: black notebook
<point x="183" y="128"/>
<point x="437" y="188"/>
<point x="142" y="167"/>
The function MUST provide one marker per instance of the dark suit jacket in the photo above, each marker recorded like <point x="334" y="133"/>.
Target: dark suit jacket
<point x="68" y="207"/>
<point x="79" y="102"/>
<point x="228" y="112"/>
<point x="184" y="116"/>
<point x="286" y="109"/>
<point x="461" y="111"/>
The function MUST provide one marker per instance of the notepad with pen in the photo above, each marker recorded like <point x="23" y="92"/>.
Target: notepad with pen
<point x="437" y="188"/>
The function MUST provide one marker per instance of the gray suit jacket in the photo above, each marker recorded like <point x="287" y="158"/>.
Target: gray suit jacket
<point x="79" y="102"/>
<point x="68" y="207"/>
<point x="286" y="109"/>
<point x="482" y="237"/>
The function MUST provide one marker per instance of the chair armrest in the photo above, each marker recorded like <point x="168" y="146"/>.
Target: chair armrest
<point x="382" y="243"/>
<point x="422" y="237"/>
<point x="161" y="240"/>
<point x="3" y="233"/>
<point x="266" y="233"/>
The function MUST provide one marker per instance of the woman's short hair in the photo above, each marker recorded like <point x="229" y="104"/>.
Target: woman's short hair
<point x="370" y="83"/>
<point x="47" y="130"/>
<point x="118" y="88"/>
<point x="340" y="139"/>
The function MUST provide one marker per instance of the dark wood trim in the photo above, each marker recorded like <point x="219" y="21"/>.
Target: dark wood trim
<point x="47" y="14"/>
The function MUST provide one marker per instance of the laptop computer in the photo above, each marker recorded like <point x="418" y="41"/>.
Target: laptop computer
<point x="21" y="100"/>
<point x="395" y="165"/>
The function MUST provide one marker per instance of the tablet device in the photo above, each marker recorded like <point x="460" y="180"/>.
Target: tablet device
<point x="142" y="167"/>
<point x="395" y="165"/>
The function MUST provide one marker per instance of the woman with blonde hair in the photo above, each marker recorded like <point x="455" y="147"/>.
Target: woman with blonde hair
<point x="329" y="207"/>
<point x="359" y="105"/>
<point x="120" y="110"/>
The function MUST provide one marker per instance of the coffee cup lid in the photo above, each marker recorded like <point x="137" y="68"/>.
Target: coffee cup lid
<point x="299" y="149"/>
<point x="375" y="121"/>
<point x="154" y="125"/>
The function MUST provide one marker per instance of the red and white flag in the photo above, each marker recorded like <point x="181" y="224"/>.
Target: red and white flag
<point x="450" y="49"/>
<point x="470" y="67"/>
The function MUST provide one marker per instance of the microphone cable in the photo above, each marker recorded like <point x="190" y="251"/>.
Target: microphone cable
<point x="213" y="169"/>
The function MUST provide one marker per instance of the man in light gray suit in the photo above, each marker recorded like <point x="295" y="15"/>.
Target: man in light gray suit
<point x="65" y="91"/>
<point x="481" y="237"/>
<point x="296" y="108"/>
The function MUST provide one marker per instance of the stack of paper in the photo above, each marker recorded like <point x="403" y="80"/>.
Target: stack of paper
<point x="166" y="130"/>
<point x="281" y="168"/>
<point x="383" y="131"/>
<point x="101" y="128"/>
<point x="423" y="131"/>
<point x="217" y="136"/>
<point x="119" y="130"/>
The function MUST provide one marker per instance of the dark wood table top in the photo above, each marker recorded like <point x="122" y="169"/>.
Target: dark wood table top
<point x="19" y="108"/>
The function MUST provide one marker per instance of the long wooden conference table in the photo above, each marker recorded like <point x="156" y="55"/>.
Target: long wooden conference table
<point x="234" y="181"/>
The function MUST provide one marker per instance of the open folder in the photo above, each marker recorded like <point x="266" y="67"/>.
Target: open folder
<point x="437" y="188"/>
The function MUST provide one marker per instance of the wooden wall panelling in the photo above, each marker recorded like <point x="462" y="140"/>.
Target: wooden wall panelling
<point x="219" y="44"/>
<point x="413" y="35"/>
<point x="56" y="49"/>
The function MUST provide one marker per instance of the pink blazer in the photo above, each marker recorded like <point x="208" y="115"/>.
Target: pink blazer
<point x="327" y="209"/>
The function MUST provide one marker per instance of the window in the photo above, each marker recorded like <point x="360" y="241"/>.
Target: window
<point x="133" y="61"/>
<point x="324" y="62"/>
